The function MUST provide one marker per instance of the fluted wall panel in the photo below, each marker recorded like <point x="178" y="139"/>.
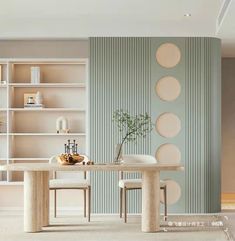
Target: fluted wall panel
<point x="123" y="74"/>
<point x="202" y="88"/>
<point x="119" y="78"/>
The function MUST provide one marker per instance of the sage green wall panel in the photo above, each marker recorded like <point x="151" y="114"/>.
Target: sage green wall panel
<point x="177" y="107"/>
<point x="203" y="98"/>
<point x="119" y="78"/>
<point x="123" y="74"/>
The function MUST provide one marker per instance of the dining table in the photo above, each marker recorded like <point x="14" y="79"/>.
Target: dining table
<point x="36" y="189"/>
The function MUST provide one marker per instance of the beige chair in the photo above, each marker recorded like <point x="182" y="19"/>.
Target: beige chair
<point x="71" y="183"/>
<point x="133" y="184"/>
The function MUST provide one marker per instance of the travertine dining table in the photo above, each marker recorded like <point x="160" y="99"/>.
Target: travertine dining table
<point x="36" y="189"/>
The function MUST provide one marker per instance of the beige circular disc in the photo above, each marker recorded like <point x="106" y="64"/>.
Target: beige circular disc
<point x="168" y="88"/>
<point x="168" y="153"/>
<point x="168" y="125"/>
<point x="168" y="55"/>
<point x="173" y="191"/>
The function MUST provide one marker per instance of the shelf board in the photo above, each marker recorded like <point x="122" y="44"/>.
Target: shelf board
<point x="47" y="134"/>
<point x="46" y="109"/>
<point x="3" y="134"/>
<point x="3" y="109"/>
<point x="52" y="85"/>
<point x="7" y="183"/>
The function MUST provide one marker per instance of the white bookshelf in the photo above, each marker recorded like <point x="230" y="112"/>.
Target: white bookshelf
<point x="29" y="135"/>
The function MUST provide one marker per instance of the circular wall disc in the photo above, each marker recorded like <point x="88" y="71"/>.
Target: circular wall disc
<point x="168" y="153"/>
<point x="173" y="191"/>
<point x="168" y="125"/>
<point x="168" y="88"/>
<point x="168" y="55"/>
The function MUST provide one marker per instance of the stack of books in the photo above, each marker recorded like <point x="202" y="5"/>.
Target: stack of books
<point x="37" y="106"/>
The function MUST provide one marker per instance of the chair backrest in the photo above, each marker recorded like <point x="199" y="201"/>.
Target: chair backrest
<point x="145" y="159"/>
<point x="58" y="174"/>
<point x="132" y="159"/>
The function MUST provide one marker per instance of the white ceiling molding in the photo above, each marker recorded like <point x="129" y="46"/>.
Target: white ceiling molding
<point x="222" y="13"/>
<point x="226" y="29"/>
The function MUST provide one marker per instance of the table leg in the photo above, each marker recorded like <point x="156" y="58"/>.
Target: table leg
<point x="150" y="201"/>
<point x="45" y="198"/>
<point x="32" y="200"/>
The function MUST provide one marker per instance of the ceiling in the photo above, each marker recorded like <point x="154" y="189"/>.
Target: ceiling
<point x="56" y="19"/>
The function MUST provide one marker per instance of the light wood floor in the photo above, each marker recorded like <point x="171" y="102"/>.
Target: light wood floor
<point x="101" y="228"/>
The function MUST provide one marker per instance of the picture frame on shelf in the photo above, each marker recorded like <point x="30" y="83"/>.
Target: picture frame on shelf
<point x="30" y="101"/>
<point x="2" y="81"/>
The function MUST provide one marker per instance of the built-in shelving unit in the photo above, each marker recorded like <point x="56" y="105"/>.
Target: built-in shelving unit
<point x="29" y="135"/>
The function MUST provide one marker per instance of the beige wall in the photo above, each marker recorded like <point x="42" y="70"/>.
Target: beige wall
<point x="11" y="197"/>
<point x="228" y="125"/>
<point x="44" y="48"/>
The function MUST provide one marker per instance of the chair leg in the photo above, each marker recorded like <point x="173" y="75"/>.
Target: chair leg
<point x="121" y="201"/>
<point x="165" y="204"/>
<point x="55" y="200"/>
<point x="89" y="204"/>
<point x="125" y="205"/>
<point x="84" y="198"/>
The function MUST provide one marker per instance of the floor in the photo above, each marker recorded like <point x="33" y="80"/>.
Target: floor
<point x="109" y="228"/>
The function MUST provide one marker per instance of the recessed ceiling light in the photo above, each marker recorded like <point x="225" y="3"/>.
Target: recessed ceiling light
<point x="187" y="14"/>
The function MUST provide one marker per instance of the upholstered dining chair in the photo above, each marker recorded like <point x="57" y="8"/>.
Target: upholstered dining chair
<point x="126" y="185"/>
<point x="71" y="183"/>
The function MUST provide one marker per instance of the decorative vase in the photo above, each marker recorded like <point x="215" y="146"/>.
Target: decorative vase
<point x="35" y="75"/>
<point x="38" y="98"/>
<point x="118" y="153"/>
<point x="62" y="125"/>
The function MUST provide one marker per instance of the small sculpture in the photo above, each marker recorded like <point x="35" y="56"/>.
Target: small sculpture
<point x="38" y="98"/>
<point x="62" y="125"/>
<point x="71" y="156"/>
<point x="71" y="147"/>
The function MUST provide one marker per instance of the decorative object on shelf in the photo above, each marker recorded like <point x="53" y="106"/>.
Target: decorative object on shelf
<point x="2" y="82"/>
<point x="38" y="98"/>
<point x="35" y="75"/>
<point x="62" y="125"/>
<point x="31" y="102"/>
<point x="131" y="128"/>
<point x="1" y="125"/>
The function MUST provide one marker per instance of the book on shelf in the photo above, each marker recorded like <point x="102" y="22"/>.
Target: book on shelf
<point x="33" y="106"/>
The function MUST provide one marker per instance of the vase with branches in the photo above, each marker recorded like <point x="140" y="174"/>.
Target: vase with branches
<point x="131" y="128"/>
